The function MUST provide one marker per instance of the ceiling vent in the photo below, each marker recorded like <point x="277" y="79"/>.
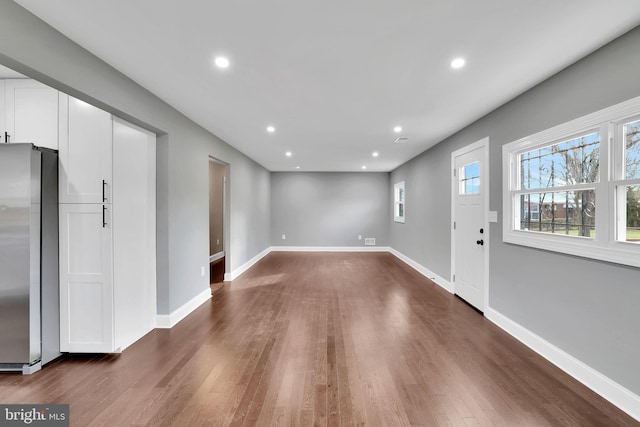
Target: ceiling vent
<point x="401" y="140"/>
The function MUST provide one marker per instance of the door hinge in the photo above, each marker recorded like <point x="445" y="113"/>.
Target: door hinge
<point x="454" y="172"/>
<point x="454" y="277"/>
<point x="454" y="225"/>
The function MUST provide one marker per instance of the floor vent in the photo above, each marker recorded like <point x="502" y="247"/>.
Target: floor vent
<point x="370" y="241"/>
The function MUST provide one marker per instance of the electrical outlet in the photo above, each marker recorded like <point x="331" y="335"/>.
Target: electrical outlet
<point x="359" y="236"/>
<point x="218" y="242"/>
<point x="284" y="237"/>
<point x="370" y="241"/>
<point x="202" y="271"/>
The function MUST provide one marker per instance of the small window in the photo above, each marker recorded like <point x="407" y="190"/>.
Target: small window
<point x="398" y="202"/>
<point x="470" y="178"/>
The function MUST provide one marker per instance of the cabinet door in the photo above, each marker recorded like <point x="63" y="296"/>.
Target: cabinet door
<point x="134" y="232"/>
<point x="86" y="287"/>
<point x="84" y="153"/>
<point x="31" y="112"/>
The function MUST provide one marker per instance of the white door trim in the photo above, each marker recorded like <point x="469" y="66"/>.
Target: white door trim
<point x="484" y="144"/>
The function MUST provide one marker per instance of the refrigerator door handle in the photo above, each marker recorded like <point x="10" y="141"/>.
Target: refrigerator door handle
<point x="104" y="184"/>
<point x="104" y="216"/>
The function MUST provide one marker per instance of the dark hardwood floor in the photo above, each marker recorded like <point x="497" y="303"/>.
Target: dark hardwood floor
<point x="320" y="339"/>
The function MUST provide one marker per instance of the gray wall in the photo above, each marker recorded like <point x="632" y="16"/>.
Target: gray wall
<point x="33" y="48"/>
<point x="587" y="308"/>
<point x="329" y="209"/>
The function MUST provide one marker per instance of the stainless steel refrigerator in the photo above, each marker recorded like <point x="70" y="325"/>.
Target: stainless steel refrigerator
<point x="29" y="289"/>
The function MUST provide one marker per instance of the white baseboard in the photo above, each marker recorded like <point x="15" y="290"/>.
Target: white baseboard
<point x="599" y="383"/>
<point x="167" y="321"/>
<point x="441" y="281"/>
<point x="330" y="248"/>
<point x="228" y="277"/>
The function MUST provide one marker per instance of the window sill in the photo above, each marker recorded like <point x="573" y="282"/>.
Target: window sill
<point x="615" y="252"/>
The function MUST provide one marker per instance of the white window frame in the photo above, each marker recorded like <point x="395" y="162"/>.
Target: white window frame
<point x="604" y="246"/>
<point x="396" y="201"/>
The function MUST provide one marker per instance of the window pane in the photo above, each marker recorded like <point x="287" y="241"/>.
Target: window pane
<point x="575" y="161"/>
<point x="470" y="178"/>
<point x="633" y="213"/>
<point x="561" y="212"/>
<point x="632" y="150"/>
<point x="401" y="194"/>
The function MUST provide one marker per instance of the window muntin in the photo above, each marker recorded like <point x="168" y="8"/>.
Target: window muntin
<point x="469" y="179"/>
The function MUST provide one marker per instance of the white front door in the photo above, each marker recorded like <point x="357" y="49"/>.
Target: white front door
<point x="470" y="231"/>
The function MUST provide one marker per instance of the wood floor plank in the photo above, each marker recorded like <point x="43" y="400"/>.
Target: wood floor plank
<point x="328" y="339"/>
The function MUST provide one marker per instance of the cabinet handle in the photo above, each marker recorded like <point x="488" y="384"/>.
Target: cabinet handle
<point x="104" y="216"/>
<point x="104" y="184"/>
<point x="6" y="137"/>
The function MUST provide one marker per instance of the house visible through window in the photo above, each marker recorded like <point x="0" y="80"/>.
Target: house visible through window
<point x="398" y="202"/>
<point x="575" y="188"/>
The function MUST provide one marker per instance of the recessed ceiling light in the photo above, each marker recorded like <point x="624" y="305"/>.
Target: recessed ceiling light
<point x="364" y="167"/>
<point x="271" y="129"/>
<point x="288" y="154"/>
<point x="458" y="63"/>
<point x="375" y="154"/>
<point x="297" y="167"/>
<point x="397" y="129"/>
<point x="221" y="62"/>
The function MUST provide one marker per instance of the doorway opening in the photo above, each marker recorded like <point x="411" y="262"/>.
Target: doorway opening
<point x="217" y="220"/>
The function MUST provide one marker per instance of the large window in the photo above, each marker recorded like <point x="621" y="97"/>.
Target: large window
<point x="575" y="188"/>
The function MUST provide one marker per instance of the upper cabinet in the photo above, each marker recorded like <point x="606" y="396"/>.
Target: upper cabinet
<point x="85" y="152"/>
<point x="29" y="113"/>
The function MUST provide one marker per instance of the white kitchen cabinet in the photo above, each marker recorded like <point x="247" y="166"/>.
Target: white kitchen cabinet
<point x="107" y="249"/>
<point x="30" y="113"/>
<point x="86" y="285"/>
<point x="85" y="152"/>
<point x="134" y="222"/>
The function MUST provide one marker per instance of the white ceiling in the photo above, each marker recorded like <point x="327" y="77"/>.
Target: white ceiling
<point x="335" y="77"/>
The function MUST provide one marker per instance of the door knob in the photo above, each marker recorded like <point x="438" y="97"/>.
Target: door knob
<point x="481" y="230"/>
<point x="480" y="242"/>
